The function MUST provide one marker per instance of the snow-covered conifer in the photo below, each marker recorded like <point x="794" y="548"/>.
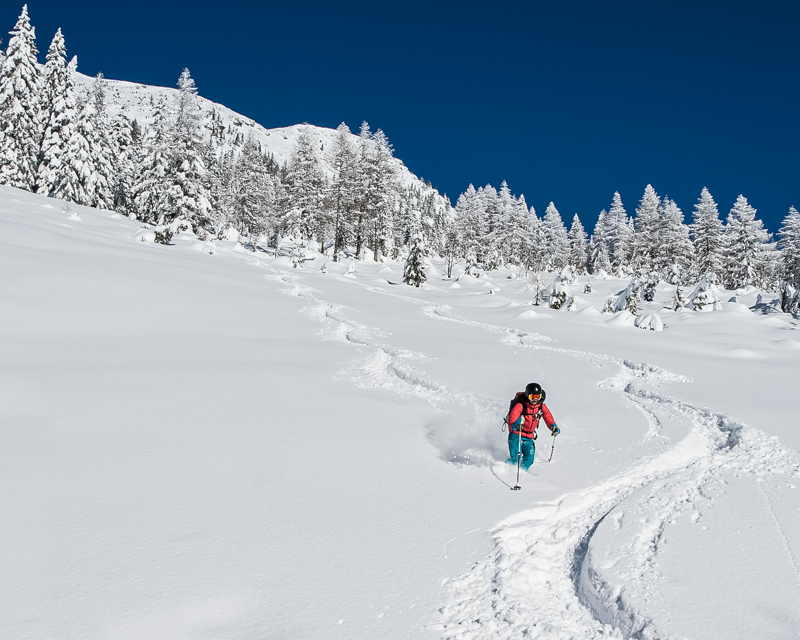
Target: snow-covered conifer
<point x="746" y="247"/>
<point x="20" y="125"/>
<point x="648" y="222"/>
<point x="790" y="248"/>
<point x="304" y="186"/>
<point x="149" y="189"/>
<point x="707" y="235"/>
<point x="414" y="270"/>
<point x="556" y="235"/>
<point x="674" y="251"/>
<point x="706" y="295"/>
<point x="58" y="113"/>
<point x="344" y="195"/>
<point x="578" y="253"/>
<point x="598" y="260"/>
<point x="186" y="196"/>
<point x="380" y="190"/>
<point x="619" y="234"/>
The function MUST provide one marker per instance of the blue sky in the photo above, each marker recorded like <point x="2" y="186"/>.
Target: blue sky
<point x="566" y="101"/>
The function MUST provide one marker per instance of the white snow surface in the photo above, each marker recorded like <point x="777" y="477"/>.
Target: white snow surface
<point x="199" y="441"/>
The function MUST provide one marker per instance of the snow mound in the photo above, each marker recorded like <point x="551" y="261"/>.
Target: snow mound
<point x="590" y="311"/>
<point x="743" y="354"/>
<point x="792" y="345"/>
<point x="622" y="319"/>
<point x="528" y="313"/>
<point x="650" y="321"/>
<point x="737" y="307"/>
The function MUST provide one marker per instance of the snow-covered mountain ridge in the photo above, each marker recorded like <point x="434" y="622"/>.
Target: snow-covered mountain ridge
<point x="137" y="101"/>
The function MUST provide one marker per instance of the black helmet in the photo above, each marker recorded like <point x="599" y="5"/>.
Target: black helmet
<point x="534" y="392"/>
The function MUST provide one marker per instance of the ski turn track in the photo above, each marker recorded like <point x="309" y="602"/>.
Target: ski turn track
<point x="543" y="580"/>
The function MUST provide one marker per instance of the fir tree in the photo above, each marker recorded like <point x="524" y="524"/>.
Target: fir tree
<point x="20" y="126"/>
<point x="619" y="235"/>
<point x="707" y="235"/>
<point x="648" y="219"/>
<point x="598" y="260"/>
<point x="58" y="112"/>
<point x="747" y="246"/>
<point x="789" y="234"/>
<point x="186" y="195"/>
<point x="414" y="270"/>
<point x="304" y="188"/>
<point x="149" y="189"/>
<point x="577" y="245"/>
<point x="556" y="236"/>
<point x="344" y="195"/>
<point x="674" y="251"/>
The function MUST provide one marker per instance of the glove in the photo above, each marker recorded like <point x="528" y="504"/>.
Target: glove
<point x="555" y="430"/>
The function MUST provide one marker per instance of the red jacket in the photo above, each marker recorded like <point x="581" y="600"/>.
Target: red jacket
<point x="531" y="421"/>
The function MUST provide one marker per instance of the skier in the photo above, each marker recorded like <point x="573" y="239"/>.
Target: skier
<point x="526" y="409"/>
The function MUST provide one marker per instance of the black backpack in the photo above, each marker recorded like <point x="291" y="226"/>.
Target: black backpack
<point x="519" y="397"/>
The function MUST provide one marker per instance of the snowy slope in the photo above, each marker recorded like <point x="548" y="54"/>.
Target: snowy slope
<point x="200" y="441"/>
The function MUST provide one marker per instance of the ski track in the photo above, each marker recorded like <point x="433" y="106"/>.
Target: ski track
<point x="542" y="580"/>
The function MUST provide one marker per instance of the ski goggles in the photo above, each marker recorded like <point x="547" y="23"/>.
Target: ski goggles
<point x="534" y="397"/>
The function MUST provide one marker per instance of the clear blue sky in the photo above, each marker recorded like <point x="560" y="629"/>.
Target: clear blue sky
<point x="566" y="101"/>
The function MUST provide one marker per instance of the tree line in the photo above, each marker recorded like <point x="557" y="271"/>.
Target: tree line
<point x="180" y="171"/>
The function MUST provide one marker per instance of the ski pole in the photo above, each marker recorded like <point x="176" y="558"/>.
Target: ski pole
<point x="516" y="487"/>
<point x="552" y="446"/>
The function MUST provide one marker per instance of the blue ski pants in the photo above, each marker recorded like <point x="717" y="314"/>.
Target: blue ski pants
<point x="528" y="450"/>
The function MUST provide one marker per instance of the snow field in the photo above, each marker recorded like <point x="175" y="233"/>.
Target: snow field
<point x="205" y="441"/>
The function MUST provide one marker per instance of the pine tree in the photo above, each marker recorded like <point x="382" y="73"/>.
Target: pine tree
<point x="598" y="260"/>
<point x="344" y="195"/>
<point x="747" y="246"/>
<point x="674" y="251"/>
<point x="619" y="235"/>
<point x="707" y="236"/>
<point x="20" y="126"/>
<point x="648" y="218"/>
<point x="304" y="187"/>
<point x="58" y="111"/>
<point x="186" y="196"/>
<point x="556" y="236"/>
<point x="577" y="245"/>
<point x="150" y="185"/>
<point x="789" y="234"/>
<point x="414" y="271"/>
<point x="380" y="190"/>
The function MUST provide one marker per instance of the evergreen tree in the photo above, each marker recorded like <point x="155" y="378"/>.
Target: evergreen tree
<point x="556" y="235"/>
<point x="648" y="219"/>
<point x="598" y="260"/>
<point x="304" y="188"/>
<point x="150" y="185"/>
<point x="674" y="251"/>
<point x="186" y="196"/>
<point x="58" y="111"/>
<point x="789" y="234"/>
<point x="707" y="235"/>
<point x="345" y="194"/>
<point x="380" y="190"/>
<point x="619" y="235"/>
<point x="414" y="271"/>
<point x="20" y="126"/>
<point x="747" y="247"/>
<point x="577" y="245"/>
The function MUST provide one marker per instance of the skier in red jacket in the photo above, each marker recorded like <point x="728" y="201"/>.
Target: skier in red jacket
<point x="526" y="410"/>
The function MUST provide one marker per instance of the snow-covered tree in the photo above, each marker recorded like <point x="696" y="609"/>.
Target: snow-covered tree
<point x="578" y="252"/>
<point x="648" y="222"/>
<point x="747" y="247"/>
<point x="345" y="190"/>
<point x="598" y="260"/>
<point x="414" y="270"/>
<point x="706" y="295"/>
<point x="380" y="188"/>
<point x="789" y="234"/>
<point x="707" y="235"/>
<point x="674" y="251"/>
<point x="150" y="186"/>
<point x="58" y="113"/>
<point x="619" y="234"/>
<point x="20" y="125"/>
<point x="304" y="186"/>
<point x="556" y="236"/>
<point x="186" y="196"/>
